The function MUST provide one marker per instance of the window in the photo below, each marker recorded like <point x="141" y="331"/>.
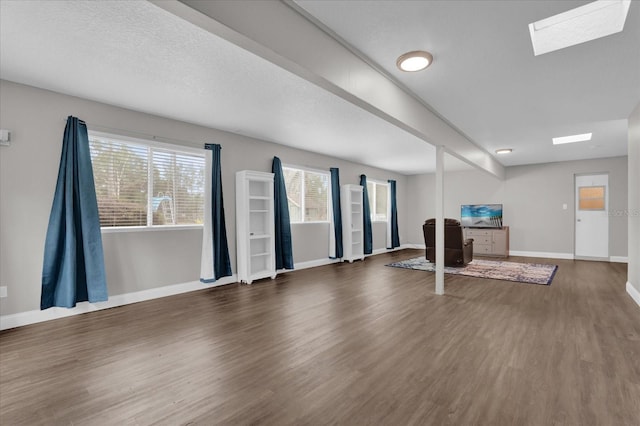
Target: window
<point x="146" y="184"/>
<point x="591" y="198"/>
<point x="307" y="194"/>
<point x="378" y="200"/>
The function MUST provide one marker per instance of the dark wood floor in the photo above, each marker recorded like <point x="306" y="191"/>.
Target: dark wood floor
<point x="346" y="344"/>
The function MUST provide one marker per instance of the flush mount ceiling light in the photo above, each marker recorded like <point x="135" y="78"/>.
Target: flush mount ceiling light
<point x="589" y="22"/>
<point x="571" y="139"/>
<point x="504" y="151"/>
<point x="414" y="61"/>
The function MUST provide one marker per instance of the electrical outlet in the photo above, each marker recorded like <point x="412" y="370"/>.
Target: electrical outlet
<point x="3" y="291"/>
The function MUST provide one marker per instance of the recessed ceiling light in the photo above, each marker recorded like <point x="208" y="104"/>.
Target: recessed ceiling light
<point x="414" y="61"/>
<point x="504" y="151"/>
<point x="589" y="22"/>
<point x="572" y="139"/>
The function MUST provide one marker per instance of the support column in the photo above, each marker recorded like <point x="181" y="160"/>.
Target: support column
<point x="440" y="220"/>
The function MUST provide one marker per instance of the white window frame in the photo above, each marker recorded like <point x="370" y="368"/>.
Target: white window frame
<point x="372" y="201"/>
<point x="305" y="169"/>
<point x="152" y="144"/>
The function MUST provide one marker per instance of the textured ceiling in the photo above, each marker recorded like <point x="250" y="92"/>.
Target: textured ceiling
<point x="138" y="56"/>
<point x="485" y="79"/>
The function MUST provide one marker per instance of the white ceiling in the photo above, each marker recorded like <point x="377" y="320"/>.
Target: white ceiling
<point x="135" y="55"/>
<point x="485" y="79"/>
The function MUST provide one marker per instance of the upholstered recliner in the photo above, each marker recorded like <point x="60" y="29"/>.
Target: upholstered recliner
<point x="457" y="250"/>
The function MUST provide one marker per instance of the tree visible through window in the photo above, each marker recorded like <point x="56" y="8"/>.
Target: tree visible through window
<point x="307" y="194"/>
<point x="143" y="185"/>
<point x="378" y="198"/>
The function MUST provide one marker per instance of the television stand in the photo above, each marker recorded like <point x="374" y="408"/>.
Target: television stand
<point x="489" y="241"/>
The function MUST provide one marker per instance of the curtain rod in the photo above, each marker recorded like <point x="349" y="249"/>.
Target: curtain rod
<point x="307" y="168"/>
<point x="140" y="135"/>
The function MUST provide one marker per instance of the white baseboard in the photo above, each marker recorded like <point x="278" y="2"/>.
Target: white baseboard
<point x="322" y="262"/>
<point x="569" y="256"/>
<point x="635" y="294"/>
<point x="515" y="253"/>
<point x="415" y="246"/>
<point x="387" y="250"/>
<point x="314" y="263"/>
<point x="377" y="251"/>
<point x="32" y="317"/>
<point x="619" y="259"/>
<point x="550" y="255"/>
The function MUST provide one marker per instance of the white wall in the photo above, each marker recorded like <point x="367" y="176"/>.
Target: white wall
<point x="633" y="211"/>
<point x="134" y="261"/>
<point x="532" y="198"/>
<point x="461" y="187"/>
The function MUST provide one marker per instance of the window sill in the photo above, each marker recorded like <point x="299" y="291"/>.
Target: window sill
<point x="118" y="229"/>
<point x="310" y="223"/>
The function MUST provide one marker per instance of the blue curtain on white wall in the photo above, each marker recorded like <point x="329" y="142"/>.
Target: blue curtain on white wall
<point x="215" y="261"/>
<point x="366" y="213"/>
<point x="73" y="267"/>
<point x="393" y="238"/>
<point x="335" y="217"/>
<point x="284" y="250"/>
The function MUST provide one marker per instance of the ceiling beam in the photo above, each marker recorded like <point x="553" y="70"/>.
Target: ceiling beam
<point x="278" y="33"/>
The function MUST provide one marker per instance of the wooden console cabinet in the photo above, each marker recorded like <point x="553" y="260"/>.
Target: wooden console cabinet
<point x="489" y="242"/>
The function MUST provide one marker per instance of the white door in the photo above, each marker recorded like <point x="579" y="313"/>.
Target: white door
<point x="592" y="216"/>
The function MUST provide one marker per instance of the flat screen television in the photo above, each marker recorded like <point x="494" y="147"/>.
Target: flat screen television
<point x="481" y="215"/>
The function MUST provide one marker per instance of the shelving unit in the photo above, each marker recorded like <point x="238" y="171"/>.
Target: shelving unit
<point x="255" y="226"/>
<point x="352" y="232"/>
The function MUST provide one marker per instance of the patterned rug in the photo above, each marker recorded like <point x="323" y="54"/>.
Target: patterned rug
<point x="530" y="273"/>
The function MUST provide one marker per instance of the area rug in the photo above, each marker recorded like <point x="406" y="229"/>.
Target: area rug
<point x="530" y="273"/>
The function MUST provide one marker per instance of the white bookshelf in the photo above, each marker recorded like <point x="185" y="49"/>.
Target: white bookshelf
<point x="352" y="229"/>
<point x="255" y="226"/>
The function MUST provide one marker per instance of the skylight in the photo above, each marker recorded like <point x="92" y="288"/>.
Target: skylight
<point x="589" y="22"/>
<point x="504" y="151"/>
<point x="573" y="138"/>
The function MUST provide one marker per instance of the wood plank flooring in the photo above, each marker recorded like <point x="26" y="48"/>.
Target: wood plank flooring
<point x="343" y="344"/>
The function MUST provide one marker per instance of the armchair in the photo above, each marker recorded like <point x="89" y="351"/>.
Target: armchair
<point x="457" y="250"/>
